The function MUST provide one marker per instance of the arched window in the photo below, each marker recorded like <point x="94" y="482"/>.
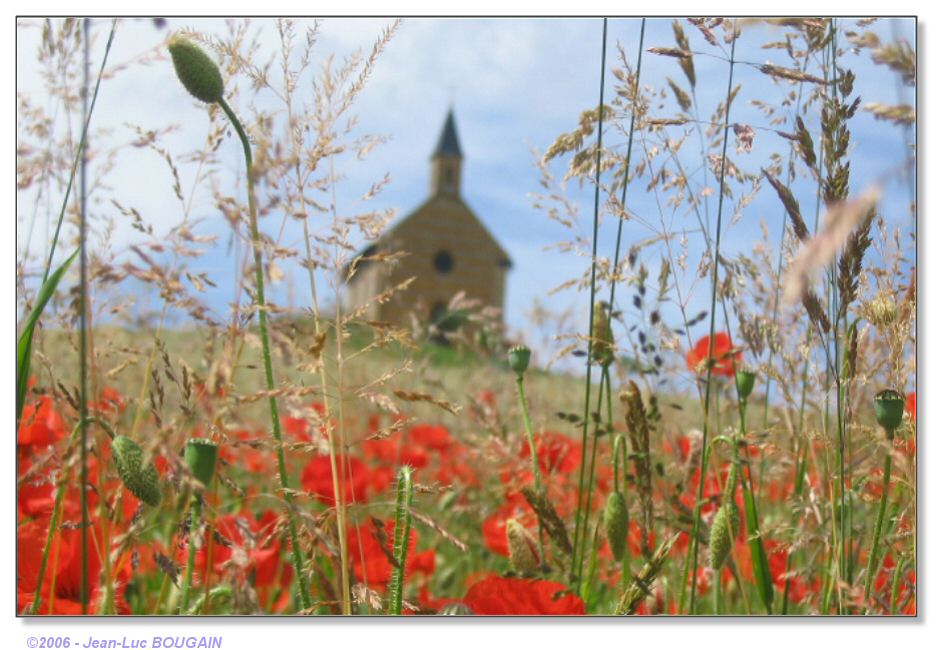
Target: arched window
<point x="443" y="261"/>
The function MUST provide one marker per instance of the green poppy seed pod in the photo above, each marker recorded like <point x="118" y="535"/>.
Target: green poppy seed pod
<point x="523" y="550"/>
<point x="745" y="381"/>
<point x="617" y="523"/>
<point x="201" y="456"/>
<point x="889" y="409"/>
<point x="725" y="528"/>
<point x="197" y="72"/>
<point x="456" y="609"/>
<point x="518" y="359"/>
<point x="140" y="478"/>
<point x="603" y="345"/>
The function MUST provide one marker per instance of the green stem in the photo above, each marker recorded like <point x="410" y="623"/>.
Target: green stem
<point x="83" y="360"/>
<point x="535" y="465"/>
<point x="577" y="557"/>
<point x="717" y="588"/>
<point x="589" y="490"/>
<point x="302" y="584"/>
<point x="712" y="330"/>
<point x="193" y="530"/>
<point x="878" y="527"/>
<point x="760" y="560"/>
<point x="895" y="584"/>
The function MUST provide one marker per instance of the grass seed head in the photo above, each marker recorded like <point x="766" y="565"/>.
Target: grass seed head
<point x="603" y="346"/>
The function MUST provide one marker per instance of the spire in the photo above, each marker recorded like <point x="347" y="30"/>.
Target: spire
<point x="448" y="145"/>
<point x="447" y="161"/>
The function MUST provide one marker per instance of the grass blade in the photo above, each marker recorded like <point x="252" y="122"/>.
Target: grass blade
<point x="24" y="344"/>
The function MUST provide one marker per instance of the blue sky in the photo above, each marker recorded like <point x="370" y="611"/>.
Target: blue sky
<point x="514" y="84"/>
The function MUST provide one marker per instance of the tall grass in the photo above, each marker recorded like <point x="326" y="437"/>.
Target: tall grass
<point x="828" y="503"/>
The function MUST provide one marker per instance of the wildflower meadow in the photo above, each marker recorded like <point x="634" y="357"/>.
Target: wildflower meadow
<point x="660" y="361"/>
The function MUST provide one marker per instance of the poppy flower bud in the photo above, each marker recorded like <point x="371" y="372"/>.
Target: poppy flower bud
<point x="518" y="359"/>
<point x="745" y="382"/>
<point x="456" y="609"/>
<point x="141" y="479"/>
<point x="617" y="522"/>
<point x="889" y="409"/>
<point x="725" y="528"/>
<point x="603" y="346"/>
<point x="523" y="550"/>
<point x="201" y="456"/>
<point x="196" y="71"/>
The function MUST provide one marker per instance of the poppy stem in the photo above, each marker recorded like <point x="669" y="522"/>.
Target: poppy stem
<point x="878" y="527"/>
<point x="302" y="583"/>
<point x="694" y="531"/>
<point x="193" y="525"/>
<point x="577" y="557"/>
<point x="535" y="465"/>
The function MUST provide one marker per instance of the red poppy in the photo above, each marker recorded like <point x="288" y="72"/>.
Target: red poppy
<point x="371" y="564"/>
<point x="557" y="453"/>
<point x="431" y="437"/>
<point x="412" y="450"/>
<point x="40" y="424"/>
<point x="300" y="428"/>
<point x="64" y="570"/>
<point x="110" y="401"/>
<point x="721" y="354"/>
<point x="497" y="596"/>
<point x="910" y="405"/>
<point x="355" y="478"/>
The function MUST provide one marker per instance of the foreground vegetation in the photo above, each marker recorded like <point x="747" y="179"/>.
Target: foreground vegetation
<point x="753" y="453"/>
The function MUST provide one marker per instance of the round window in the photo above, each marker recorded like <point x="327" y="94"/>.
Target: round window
<point x="443" y="261"/>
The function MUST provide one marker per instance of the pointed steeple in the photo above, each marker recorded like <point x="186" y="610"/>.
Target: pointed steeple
<point x="448" y="145"/>
<point x="447" y="160"/>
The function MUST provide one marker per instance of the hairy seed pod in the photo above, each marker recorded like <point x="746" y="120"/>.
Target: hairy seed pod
<point x="725" y="528"/>
<point x="617" y="523"/>
<point x="523" y="552"/>
<point x="197" y="72"/>
<point x="401" y="537"/>
<point x="456" y="609"/>
<point x="603" y="345"/>
<point x="141" y="479"/>
<point x="201" y="456"/>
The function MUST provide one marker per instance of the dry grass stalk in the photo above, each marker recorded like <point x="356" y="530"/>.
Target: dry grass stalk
<point x="839" y="221"/>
